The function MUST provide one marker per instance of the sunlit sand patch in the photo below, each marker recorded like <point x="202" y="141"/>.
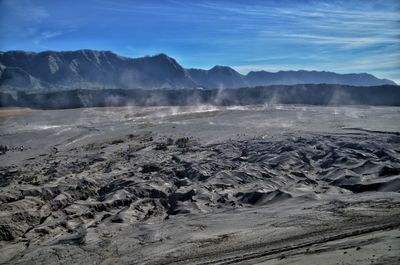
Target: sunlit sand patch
<point x="63" y="131"/>
<point x="45" y="127"/>
<point x="7" y="112"/>
<point x="80" y="139"/>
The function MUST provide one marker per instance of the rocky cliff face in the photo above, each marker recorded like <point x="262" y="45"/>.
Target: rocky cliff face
<point x="87" y="68"/>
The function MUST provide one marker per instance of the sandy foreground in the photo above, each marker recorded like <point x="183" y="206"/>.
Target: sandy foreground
<point x="277" y="184"/>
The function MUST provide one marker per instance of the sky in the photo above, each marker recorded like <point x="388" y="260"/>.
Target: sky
<point x="351" y="36"/>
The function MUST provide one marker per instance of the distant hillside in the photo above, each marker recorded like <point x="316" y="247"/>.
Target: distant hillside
<point x="218" y="77"/>
<point x="88" y="69"/>
<point x="322" y="94"/>
<point x="260" y="78"/>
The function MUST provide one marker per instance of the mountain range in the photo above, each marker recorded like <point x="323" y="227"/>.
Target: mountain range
<point x="51" y="70"/>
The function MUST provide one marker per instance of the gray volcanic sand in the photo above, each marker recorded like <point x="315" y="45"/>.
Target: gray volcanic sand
<point x="276" y="184"/>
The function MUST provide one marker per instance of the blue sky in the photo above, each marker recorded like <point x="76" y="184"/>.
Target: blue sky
<point x="341" y="36"/>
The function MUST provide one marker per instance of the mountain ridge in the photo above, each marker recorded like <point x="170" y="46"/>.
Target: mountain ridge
<point x="85" y="68"/>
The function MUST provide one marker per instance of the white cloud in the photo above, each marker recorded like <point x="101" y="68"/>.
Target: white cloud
<point x="45" y="36"/>
<point x="21" y="20"/>
<point x="349" y="42"/>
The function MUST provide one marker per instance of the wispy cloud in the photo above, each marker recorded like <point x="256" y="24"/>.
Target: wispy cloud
<point x="338" y="35"/>
<point x="45" y="36"/>
<point x="344" y="41"/>
<point x="344" y="36"/>
<point x="15" y="13"/>
<point x="21" y="20"/>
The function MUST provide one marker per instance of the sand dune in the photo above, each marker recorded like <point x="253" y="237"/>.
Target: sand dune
<point x="139" y="194"/>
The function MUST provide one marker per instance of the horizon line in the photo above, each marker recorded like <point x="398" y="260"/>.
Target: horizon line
<point x="197" y="68"/>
